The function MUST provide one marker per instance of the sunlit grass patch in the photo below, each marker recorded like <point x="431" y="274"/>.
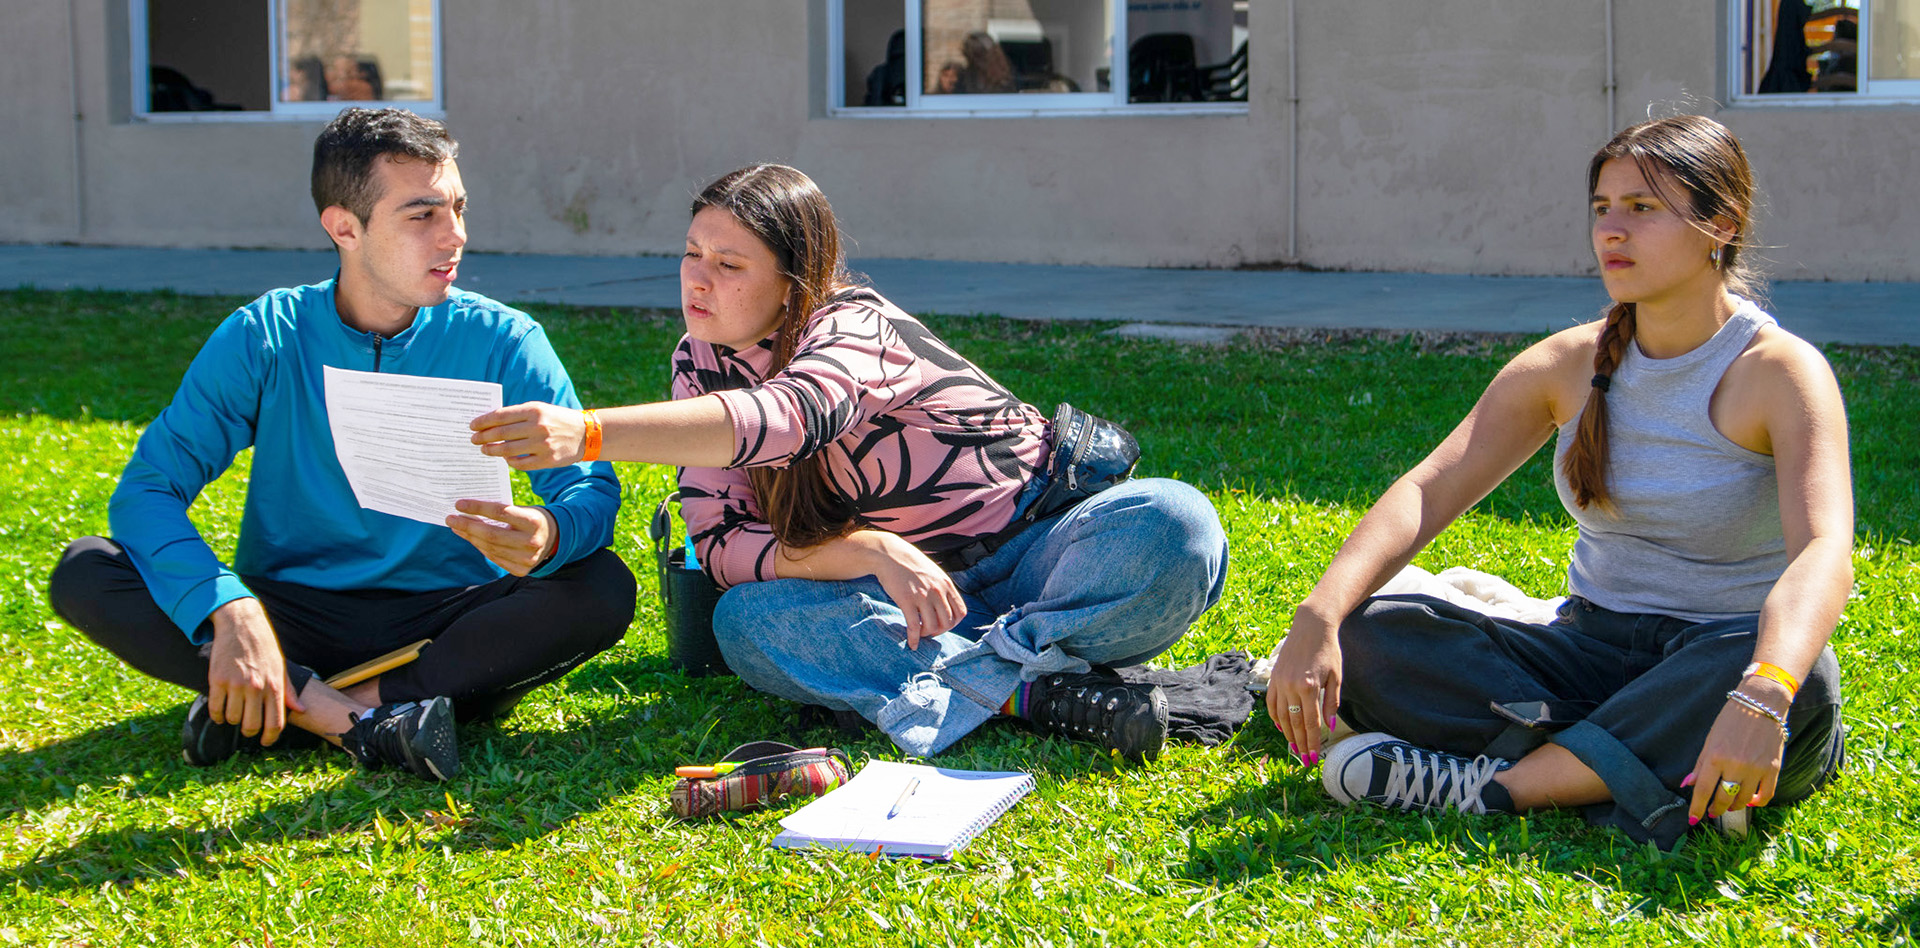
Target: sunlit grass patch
<point x="558" y="830"/>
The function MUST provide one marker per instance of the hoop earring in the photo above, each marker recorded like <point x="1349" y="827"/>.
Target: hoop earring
<point x="1713" y="257"/>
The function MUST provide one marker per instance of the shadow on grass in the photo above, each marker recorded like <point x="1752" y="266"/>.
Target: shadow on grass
<point x="516" y="783"/>
<point x="121" y="755"/>
<point x="1898" y="925"/>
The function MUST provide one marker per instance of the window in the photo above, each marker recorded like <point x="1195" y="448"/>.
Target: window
<point x="282" y="58"/>
<point x="1827" y="50"/>
<point x="970" y="57"/>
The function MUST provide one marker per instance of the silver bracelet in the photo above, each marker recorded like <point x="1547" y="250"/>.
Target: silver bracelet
<point x="1761" y="706"/>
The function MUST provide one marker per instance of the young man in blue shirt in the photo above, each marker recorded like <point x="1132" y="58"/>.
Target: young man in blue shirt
<point x="511" y="596"/>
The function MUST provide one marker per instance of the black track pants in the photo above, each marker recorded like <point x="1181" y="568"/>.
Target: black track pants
<point x="492" y="643"/>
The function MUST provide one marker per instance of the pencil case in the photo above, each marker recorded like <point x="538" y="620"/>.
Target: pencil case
<point x="754" y="775"/>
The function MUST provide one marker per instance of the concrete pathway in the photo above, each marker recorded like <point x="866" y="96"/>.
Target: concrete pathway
<point x="1871" y="313"/>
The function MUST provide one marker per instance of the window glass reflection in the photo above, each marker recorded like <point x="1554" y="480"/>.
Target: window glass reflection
<point x="208" y="56"/>
<point x="358" y="51"/>
<point x="1804" y="46"/>
<point x="1003" y="47"/>
<point x="1896" y="39"/>
<point x="1182" y="51"/>
<point x="875" y="47"/>
<point x="1186" y="51"/>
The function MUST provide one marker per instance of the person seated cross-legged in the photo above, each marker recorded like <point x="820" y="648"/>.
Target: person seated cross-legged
<point x="1702" y="451"/>
<point x="885" y="516"/>
<point x="511" y="597"/>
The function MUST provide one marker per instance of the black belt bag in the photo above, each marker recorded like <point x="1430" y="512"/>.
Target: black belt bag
<point x="687" y="598"/>
<point x="1090" y="454"/>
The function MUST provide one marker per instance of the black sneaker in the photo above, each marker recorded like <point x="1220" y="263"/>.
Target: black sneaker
<point x="1096" y="706"/>
<point x="204" y="743"/>
<point x="1380" y="768"/>
<point x="414" y="735"/>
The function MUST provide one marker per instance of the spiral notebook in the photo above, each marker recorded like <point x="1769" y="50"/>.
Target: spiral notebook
<point x="935" y="812"/>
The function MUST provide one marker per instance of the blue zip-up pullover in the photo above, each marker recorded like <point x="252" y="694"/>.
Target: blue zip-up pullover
<point x="258" y="382"/>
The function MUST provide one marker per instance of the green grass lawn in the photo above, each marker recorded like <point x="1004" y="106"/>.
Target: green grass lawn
<point x="558" y="829"/>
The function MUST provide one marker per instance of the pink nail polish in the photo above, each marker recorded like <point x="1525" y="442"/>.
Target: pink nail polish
<point x="1333" y="721"/>
<point x="1291" y="749"/>
<point x="1693" y="821"/>
<point x="1687" y="782"/>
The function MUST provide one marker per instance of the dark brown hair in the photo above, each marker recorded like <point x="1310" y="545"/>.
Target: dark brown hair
<point x="344" y="153"/>
<point x="1703" y="157"/>
<point x="988" y="69"/>
<point x="786" y="210"/>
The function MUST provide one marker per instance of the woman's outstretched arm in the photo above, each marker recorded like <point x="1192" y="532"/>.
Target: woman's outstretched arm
<point x="697" y="432"/>
<point x="1512" y="419"/>
<point x="688" y="432"/>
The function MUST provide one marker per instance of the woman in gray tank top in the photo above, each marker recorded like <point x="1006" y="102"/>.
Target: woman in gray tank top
<point x="1702" y="450"/>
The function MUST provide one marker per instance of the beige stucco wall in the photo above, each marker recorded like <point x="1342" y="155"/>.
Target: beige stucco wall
<point x="1453" y="137"/>
<point x="36" y="126"/>
<point x="1447" y="136"/>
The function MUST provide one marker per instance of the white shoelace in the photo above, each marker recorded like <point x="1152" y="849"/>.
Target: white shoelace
<point x="1417" y="778"/>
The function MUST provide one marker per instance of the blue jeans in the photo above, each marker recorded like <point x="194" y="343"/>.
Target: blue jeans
<point x="1114" y="581"/>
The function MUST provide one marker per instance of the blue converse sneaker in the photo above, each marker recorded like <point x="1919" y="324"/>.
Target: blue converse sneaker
<point x="1380" y="768"/>
<point x="416" y="736"/>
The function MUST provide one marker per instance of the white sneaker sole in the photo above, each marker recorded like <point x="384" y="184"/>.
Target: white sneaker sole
<point x="1735" y="823"/>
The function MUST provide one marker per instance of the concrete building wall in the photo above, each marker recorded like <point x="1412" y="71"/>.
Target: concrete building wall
<point x="1445" y="136"/>
<point x="37" y="144"/>
<point x="1454" y="138"/>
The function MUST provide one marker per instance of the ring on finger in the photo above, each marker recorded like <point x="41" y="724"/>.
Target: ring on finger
<point x="1293" y="709"/>
<point x="1730" y="787"/>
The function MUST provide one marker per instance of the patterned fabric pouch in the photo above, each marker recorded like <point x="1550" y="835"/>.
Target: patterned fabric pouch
<point x="756" y="774"/>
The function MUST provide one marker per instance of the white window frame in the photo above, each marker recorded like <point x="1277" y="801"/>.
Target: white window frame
<point x="278" y="111"/>
<point x="1015" y="105"/>
<point x="1870" y="92"/>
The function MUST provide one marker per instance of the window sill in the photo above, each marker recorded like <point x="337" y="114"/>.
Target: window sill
<point x="1817" y="100"/>
<point x="254" y="118"/>
<point x="1110" y="111"/>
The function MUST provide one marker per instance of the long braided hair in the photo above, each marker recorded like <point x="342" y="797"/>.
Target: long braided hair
<point x="1703" y="157"/>
<point x="786" y="210"/>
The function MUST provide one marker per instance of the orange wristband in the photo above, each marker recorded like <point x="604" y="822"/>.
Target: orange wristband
<point x="1775" y="672"/>
<point x="591" y="451"/>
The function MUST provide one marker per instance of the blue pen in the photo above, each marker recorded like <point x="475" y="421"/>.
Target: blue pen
<point x="693" y="560"/>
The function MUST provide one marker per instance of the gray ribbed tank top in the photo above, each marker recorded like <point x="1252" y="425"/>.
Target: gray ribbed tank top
<point x="1698" y="533"/>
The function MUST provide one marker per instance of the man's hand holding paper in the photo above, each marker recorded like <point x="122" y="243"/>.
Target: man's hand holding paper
<point x="517" y="539"/>
<point x="403" y="441"/>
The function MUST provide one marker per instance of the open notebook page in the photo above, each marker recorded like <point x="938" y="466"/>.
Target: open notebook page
<point x="944" y="812"/>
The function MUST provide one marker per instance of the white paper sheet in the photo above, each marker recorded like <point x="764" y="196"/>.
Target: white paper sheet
<point x="403" y="442"/>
